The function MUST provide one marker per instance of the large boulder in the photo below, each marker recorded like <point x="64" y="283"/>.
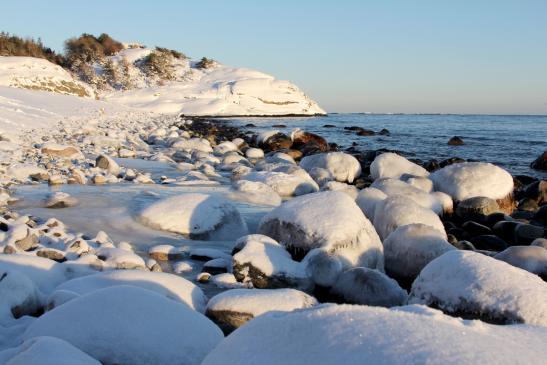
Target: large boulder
<point x="284" y="184"/>
<point x="233" y="308"/>
<point x="394" y="166"/>
<point x="330" y="220"/>
<point x="473" y="285"/>
<point x="529" y="258"/>
<point x="341" y="166"/>
<point x="200" y="216"/>
<point x="127" y="325"/>
<point x="472" y="179"/>
<point x="356" y="335"/>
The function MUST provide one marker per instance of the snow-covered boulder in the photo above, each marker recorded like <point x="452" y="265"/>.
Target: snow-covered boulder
<point x="398" y="210"/>
<point x="392" y="187"/>
<point x="472" y="179"/>
<point x="233" y="308"/>
<point x="329" y="220"/>
<point x="394" y="166"/>
<point x="529" y="258"/>
<point x="368" y="287"/>
<point x="46" y="351"/>
<point x="470" y="284"/>
<point x="368" y="200"/>
<point x="60" y="199"/>
<point x="44" y="273"/>
<point x="266" y="263"/>
<point x="170" y="286"/>
<point x="129" y="325"/>
<point x="284" y="184"/>
<point x="117" y="258"/>
<point x="59" y="150"/>
<point x="342" y="166"/>
<point x="409" y="248"/>
<point x="18" y="295"/>
<point x="254" y="192"/>
<point x="200" y="216"/>
<point x="356" y="335"/>
<point x="193" y="144"/>
<point x="254" y="153"/>
<point x="351" y="190"/>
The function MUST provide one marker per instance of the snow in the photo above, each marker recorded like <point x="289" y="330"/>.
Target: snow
<point x="168" y="285"/>
<point x="254" y="192"/>
<point x="221" y="91"/>
<point x="130" y="325"/>
<point x="394" y="166"/>
<point x="260" y="301"/>
<point x="342" y="166"/>
<point x="397" y="187"/>
<point x="409" y="248"/>
<point x="470" y="179"/>
<point x="398" y="210"/>
<point x="45" y="273"/>
<point x="329" y="220"/>
<point x="17" y="294"/>
<point x="284" y="184"/>
<point x="368" y="200"/>
<point x="46" y="351"/>
<point x="350" y="190"/>
<point x="473" y="283"/>
<point x="351" y="334"/>
<point x="197" y="215"/>
<point x="529" y="258"/>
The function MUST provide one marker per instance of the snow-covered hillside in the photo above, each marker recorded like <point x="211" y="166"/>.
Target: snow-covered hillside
<point x="172" y="85"/>
<point x="40" y="74"/>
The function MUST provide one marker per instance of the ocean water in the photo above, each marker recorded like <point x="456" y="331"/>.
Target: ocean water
<point x="510" y="141"/>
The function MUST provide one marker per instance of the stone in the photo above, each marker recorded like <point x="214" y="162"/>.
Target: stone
<point x="526" y="233"/>
<point x="276" y="142"/>
<point x="529" y="258"/>
<point x="540" y="163"/>
<point x="505" y="230"/>
<point x="464" y="245"/>
<point x="476" y="208"/>
<point x="455" y="141"/>
<point x="107" y="163"/>
<point x="27" y="243"/>
<point x="541" y="242"/>
<point x="301" y="138"/>
<point x="528" y="205"/>
<point x="537" y="191"/>
<point x="489" y="243"/>
<point x="52" y="254"/>
<point x="98" y="179"/>
<point x="165" y="253"/>
<point x="55" y="150"/>
<point x="474" y="229"/>
<point x="55" y="180"/>
<point x="541" y="215"/>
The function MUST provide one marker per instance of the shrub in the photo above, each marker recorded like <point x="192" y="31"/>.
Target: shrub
<point x="159" y="63"/>
<point x="205" y="63"/>
<point x="110" y="45"/>
<point x="176" y="54"/>
<point x="11" y="45"/>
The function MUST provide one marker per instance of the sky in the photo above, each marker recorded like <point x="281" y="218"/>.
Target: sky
<point x="465" y="56"/>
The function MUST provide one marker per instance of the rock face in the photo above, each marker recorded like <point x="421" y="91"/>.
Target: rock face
<point x="115" y="331"/>
<point x="233" y="308"/>
<point x="368" y="287"/>
<point x="356" y="335"/>
<point x="409" y="248"/>
<point x="199" y="216"/>
<point x="540" y="163"/>
<point x="472" y="285"/>
<point x="341" y="166"/>
<point x="329" y="220"/>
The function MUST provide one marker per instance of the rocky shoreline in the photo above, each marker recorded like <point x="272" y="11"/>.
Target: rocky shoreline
<point x="343" y="226"/>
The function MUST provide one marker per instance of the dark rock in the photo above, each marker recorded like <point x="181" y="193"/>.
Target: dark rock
<point x="522" y="215"/>
<point x="477" y="208"/>
<point x="329" y="126"/>
<point x="464" y="245"/>
<point x="489" y="243"/>
<point x="452" y="239"/>
<point x="432" y="165"/>
<point x="215" y="266"/>
<point x="353" y="128"/>
<point x="384" y="132"/>
<point x="528" y="205"/>
<point x="365" y="132"/>
<point x="474" y="229"/>
<point x="250" y="125"/>
<point x="312" y="148"/>
<point x="451" y="161"/>
<point x="279" y="126"/>
<point x="277" y="142"/>
<point x="505" y="230"/>
<point x="3" y="227"/>
<point x="525" y="234"/>
<point x="541" y="215"/>
<point x="537" y="191"/>
<point x="301" y="138"/>
<point x="540" y="163"/>
<point x="457" y="232"/>
<point x="525" y="180"/>
<point x="494" y="218"/>
<point x="449" y="225"/>
<point x="456" y="141"/>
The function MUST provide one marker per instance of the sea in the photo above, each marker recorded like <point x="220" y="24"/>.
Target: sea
<point x="510" y="141"/>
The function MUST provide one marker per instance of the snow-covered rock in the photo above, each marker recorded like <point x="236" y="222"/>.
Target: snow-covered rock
<point x="394" y="166"/>
<point x="44" y="273"/>
<point x="18" y="295"/>
<point x="285" y="185"/>
<point x="351" y="190"/>
<point x="398" y="210"/>
<point x="254" y="192"/>
<point x="471" y="284"/>
<point x="60" y="199"/>
<point x="233" y="308"/>
<point x="342" y="166"/>
<point x="130" y="325"/>
<point x="200" y="216"/>
<point x="471" y="179"/>
<point x="59" y="150"/>
<point x="409" y="248"/>
<point x="368" y="200"/>
<point x="356" y="335"/>
<point x="46" y="351"/>
<point x="529" y="258"/>
<point x="368" y="287"/>
<point x="329" y="220"/>
<point x="170" y="286"/>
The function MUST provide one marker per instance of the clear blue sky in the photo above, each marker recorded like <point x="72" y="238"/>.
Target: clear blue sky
<point x="460" y="56"/>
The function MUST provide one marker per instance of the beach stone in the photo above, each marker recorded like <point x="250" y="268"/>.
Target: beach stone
<point x="98" y="179"/>
<point x="341" y="166"/>
<point x="60" y="200"/>
<point x="277" y="142"/>
<point x="529" y="258"/>
<point x="39" y="176"/>
<point x="474" y="229"/>
<point x="365" y="132"/>
<point x="526" y="233"/>
<point x="18" y="293"/>
<point x="165" y="253"/>
<point x="541" y="215"/>
<point x="28" y="242"/>
<point x="455" y="141"/>
<point x="505" y="230"/>
<point x="494" y="218"/>
<point x="540" y="163"/>
<point x="368" y="287"/>
<point x="451" y="239"/>
<point x="476" y="208"/>
<point x="329" y="126"/>
<point x="52" y="254"/>
<point x="537" y="191"/>
<point x="10" y="250"/>
<point x="254" y="153"/>
<point x="55" y="180"/>
<point x="489" y="243"/>
<point x="301" y="138"/>
<point x="55" y="150"/>
<point x="528" y="205"/>
<point x="541" y="242"/>
<point x="464" y="245"/>
<point x="451" y="161"/>
<point x="107" y="163"/>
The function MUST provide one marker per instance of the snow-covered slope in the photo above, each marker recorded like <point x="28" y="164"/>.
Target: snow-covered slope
<point x="40" y="74"/>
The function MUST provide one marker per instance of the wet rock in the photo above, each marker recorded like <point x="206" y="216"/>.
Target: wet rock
<point x="368" y="287"/>
<point x="432" y="165"/>
<point x="540" y="163"/>
<point x="489" y="243"/>
<point x="329" y="126"/>
<point x="455" y="141"/>
<point x="505" y="230"/>
<point x="279" y="126"/>
<point x="476" y="208"/>
<point x="365" y="132"/>
<point x="474" y="229"/>
<point x="494" y="218"/>
<point x="526" y="233"/>
<point x="60" y="200"/>
<point x="452" y="239"/>
<point x="384" y="132"/>
<point x="277" y="142"/>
